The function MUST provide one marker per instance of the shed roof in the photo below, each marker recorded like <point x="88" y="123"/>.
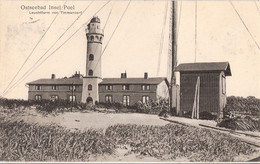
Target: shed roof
<point x="208" y="67"/>
<point x="154" y="80"/>
<point x="65" y="81"/>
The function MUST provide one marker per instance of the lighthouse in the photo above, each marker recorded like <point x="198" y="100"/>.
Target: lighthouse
<point x="94" y="35"/>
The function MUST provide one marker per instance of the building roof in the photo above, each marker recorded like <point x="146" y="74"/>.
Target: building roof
<point x="66" y="81"/>
<point x="95" y="20"/>
<point x="154" y="80"/>
<point x="205" y="67"/>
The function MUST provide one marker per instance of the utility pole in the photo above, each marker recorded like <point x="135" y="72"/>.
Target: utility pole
<point x="173" y="52"/>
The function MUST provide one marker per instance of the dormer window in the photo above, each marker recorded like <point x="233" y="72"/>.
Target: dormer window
<point x="145" y="87"/>
<point x="54" y="87"/>
<point x="125" y="87"/>
<point x="91" y="57"/>
<point x="109" y="87"/>
<point x="38" y="87"/>
<point x="72" y="87"/>
<point x="90" y="72"/>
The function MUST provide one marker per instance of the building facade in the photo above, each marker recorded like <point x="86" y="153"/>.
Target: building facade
<point x="212" y="95"/>
<point x="131" y="90"/>
<point x="92" y="88"/>
<point x="54" y="89"/>
<point x="93" y="76"/>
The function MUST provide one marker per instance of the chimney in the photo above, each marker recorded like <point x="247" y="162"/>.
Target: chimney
<point x="125" y="75"/>
<point x="122" y="75"/>
<point x="146" y="75"/>
<point x="52" y="76"/>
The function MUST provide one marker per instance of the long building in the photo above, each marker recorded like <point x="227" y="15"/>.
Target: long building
<point x="92" y="88"/>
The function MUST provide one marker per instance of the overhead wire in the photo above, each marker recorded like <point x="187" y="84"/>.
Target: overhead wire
<point x="33" y="50"/>
<point x="32" y="70"/>
<point x="113" y="33"/>
<point x="162" y="38"/>
<point x="108" y="16"/>
<point x="257" y="7"/>
<point x="247" y="29"/>
<point x="59" y="37"/>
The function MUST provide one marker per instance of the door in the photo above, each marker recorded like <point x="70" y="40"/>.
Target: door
<point x="89" y="100"/>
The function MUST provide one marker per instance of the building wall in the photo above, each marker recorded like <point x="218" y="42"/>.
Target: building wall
<point x="94" y="48"/>
<point x="222" y="93"/>
<point x="62" y="92"/>
<point x="162" y="90"/>
<point x="209" y="91"/>
<point x="94" y="81"/>
<point x="135" y="93"/>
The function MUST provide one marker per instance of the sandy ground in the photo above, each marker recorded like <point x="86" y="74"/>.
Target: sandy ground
<point x="94" y="120"/>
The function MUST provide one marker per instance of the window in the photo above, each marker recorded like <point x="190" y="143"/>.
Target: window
<point x="91" y="57"/>
<point x="92" y="38"/>
<point x="72" y="98"/>
<point x="54" y="97"/>
<point x="145" y="87"/>
<point x="38" y="97"/>
<point x="100" y="38"/>
<point x="126" y="100"/>
<point x="125" y="87"/>
<point x="70" y="87"/>
<point x="90" y="87"/>
<point x="108" y="98"/>
<point x="90" y="72"/>
<point x="109" y="87"/>
<point x="223" y="83"/>
<point x="145" y="99"/>
<point x="54" y="87"/>
<point x="38" y="87"/>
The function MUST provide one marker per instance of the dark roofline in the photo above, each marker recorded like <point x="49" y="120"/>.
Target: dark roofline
<point x="63" y="81"/>
<point x="205" y="67"/>
<point x="132" y="81"/>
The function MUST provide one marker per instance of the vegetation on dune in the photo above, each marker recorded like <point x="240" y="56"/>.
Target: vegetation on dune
<point x="175" y="141"/>
<point x="239" y="105"/>
<point x="241" y="114"/>
<point x="59" y="106"/>
<point x="22" y="141"/>
<point x="26" y="142"/>
<point x="241" y="123"/>
<point x="151" y="107"/>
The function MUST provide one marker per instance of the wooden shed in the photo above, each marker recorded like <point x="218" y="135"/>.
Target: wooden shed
<point x="212" y="86"/>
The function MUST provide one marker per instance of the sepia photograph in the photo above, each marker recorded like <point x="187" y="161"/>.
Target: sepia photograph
<point x="129" y="81"/>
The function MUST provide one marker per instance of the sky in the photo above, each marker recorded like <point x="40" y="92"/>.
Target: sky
<point x="134" y="47"/>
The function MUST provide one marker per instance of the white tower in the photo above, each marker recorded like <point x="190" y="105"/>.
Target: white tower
<point x="93" y="63"/>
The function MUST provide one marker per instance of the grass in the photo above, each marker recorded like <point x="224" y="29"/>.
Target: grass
<point x="174" y="141"/>
<point x="20" y="141"/>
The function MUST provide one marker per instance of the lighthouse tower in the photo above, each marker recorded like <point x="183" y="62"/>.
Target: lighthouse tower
<point x="94" y="36"/>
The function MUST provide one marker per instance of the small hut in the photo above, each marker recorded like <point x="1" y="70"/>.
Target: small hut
<point x="211" y="87"/>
